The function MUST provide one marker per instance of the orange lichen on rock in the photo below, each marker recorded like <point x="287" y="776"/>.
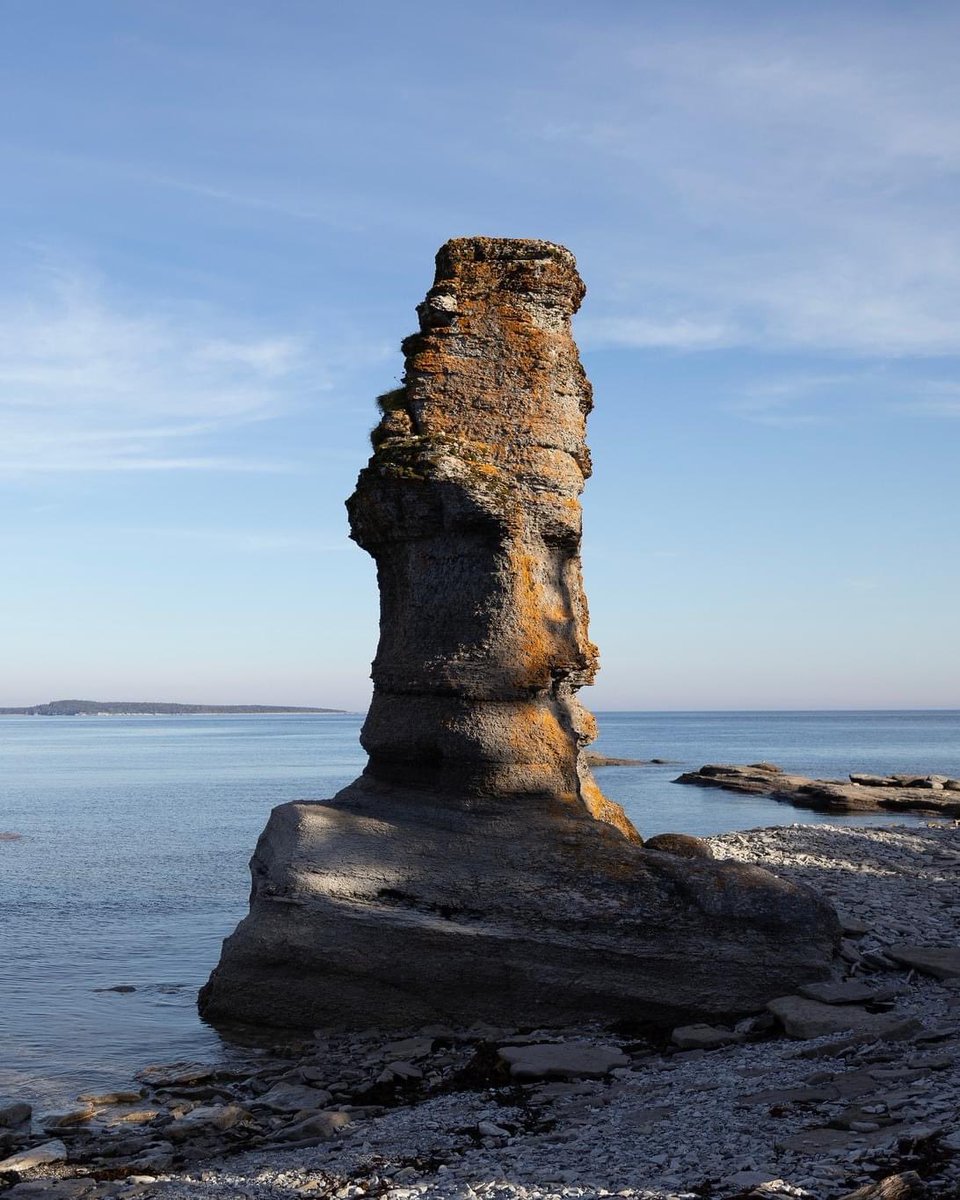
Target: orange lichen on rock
<point x="474" y="521"/>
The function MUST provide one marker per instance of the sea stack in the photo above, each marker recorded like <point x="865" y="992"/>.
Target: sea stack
<point x="475" y="870"/>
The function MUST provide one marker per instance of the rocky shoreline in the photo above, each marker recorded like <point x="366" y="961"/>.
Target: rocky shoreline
<point x="933" y="794"/>
<point x="828" y="1092"/>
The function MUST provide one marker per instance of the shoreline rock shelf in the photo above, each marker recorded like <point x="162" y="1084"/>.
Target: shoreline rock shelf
<point x="476" y="871"/>
<point x="933" y="794"/>
<point x="483" y="1113"/>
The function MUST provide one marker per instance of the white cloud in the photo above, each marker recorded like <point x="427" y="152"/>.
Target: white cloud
<point x="85" y="386"/>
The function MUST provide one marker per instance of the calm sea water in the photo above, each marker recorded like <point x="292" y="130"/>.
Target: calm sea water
<point x="136" y="832"/>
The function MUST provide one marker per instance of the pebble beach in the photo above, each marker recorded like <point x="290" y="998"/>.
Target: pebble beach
<point x="852" y="1089"/>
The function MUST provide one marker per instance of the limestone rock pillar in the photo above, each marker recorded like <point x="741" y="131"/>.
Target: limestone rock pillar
<point x="475" y="871"/>
<point x="470" y="506"/>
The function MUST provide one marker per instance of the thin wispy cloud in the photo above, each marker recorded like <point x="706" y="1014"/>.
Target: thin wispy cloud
<point x="792" y="401"/>
<point x="793" y="193"/>
<point x="933" y="398"/>
<point x="682" y="333"/>
<point x="87" y="386"/>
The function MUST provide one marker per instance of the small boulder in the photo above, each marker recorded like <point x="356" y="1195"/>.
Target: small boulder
<point x="682" y="844"/>
<point x="135" y="1116"/>
<point x="321" y="1125"/>
<point x="14" y="1114"/>
<point x="487" y="1129"/>
<point x="402" y="1072"/>
<point x="562" y="1060"/>
<point x="64" y="1120"/>
<point x="156" y="1158"/>
<point x="213" y="1118"/>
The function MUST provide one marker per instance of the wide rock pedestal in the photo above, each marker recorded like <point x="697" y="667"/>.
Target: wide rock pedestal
<point x="476" y="870"/>
<point x="381" y="908"/>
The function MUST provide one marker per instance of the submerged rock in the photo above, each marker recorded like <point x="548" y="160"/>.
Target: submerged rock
<point x="475" y="871"/>
<point x="14" y="1113"/>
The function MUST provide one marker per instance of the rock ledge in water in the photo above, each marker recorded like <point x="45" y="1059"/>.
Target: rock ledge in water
<point x="863" y="793"/>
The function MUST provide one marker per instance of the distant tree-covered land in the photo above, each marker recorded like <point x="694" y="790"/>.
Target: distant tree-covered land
<point x="146" y="708"/>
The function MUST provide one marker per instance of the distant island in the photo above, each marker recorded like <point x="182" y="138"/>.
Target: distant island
<point x="146" y="708"/>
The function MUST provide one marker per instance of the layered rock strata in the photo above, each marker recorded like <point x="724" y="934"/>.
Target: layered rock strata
<point x="475" y="870"/>
<point x="936" y="794"/>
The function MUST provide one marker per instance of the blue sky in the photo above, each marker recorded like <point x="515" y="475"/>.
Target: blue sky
<point x="219" y="217"/>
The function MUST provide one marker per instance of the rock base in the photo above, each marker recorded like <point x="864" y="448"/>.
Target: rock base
<point x="383" y="907"/>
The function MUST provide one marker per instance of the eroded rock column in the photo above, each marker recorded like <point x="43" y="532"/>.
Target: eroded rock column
<point x="474" y="871"/>
<point x="470" y="506"/>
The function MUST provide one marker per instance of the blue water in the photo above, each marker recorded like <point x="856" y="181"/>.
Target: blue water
<point x="136" y="832"/>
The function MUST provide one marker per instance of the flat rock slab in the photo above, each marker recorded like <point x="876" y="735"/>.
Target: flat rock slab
<point x="940" y="963"/>
<point x="804" y="1019"/>
<point x="703" y="1037"/>
<point x="412" y="1047"/>
<point x="848" y="992"/>
<point x="562" y="1060"/>
<point x="37" y="1156"/>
